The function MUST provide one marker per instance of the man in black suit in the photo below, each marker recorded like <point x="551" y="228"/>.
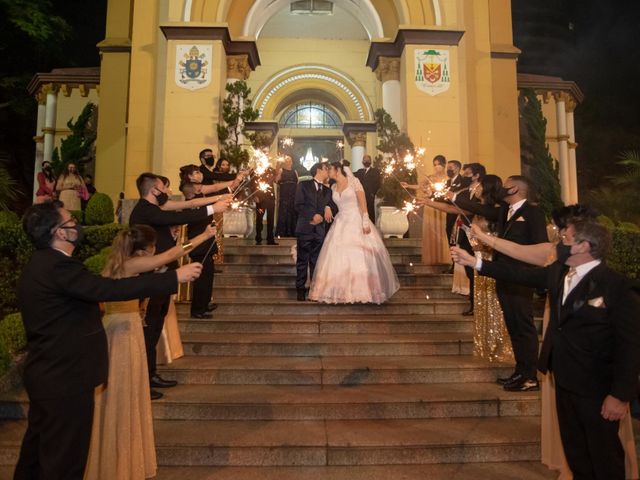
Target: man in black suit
<point x="314" y="206"/>
<point x="370" y="179"/>
<point x="592" y="345"/>
<point x="153" y="194"/>
<point x="67" y="345"/>
<point x="265" y="202"/>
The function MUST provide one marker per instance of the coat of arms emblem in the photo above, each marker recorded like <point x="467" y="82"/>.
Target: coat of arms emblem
<point x="192" y="63"/>
<point x="433" y="71"/>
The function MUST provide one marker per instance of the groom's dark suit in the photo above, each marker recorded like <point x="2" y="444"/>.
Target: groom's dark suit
<point x="592" y="345"/>
<point x="311" y="199"/>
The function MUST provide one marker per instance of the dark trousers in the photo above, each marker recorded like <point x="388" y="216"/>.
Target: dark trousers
<point x="308" y="251"/>
<point x="463" y="242"/>
<point x="157" y="309"/>
<point x="591" y="443"/>
<point x="371" y="207"/>
<point x="516" y="302"/>
<point x="270" y="208"/>
<point x="56" y="443"/>
<point x="202" y="286"/>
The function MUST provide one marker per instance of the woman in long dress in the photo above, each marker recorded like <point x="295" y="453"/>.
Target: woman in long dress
<point x="287" y="180"/>
<point x="551" y="444"/>
<point x="68" y="187"/>
<point x="122" y="443"/>
<point x="46" y="184"/>
<point x="354" y="265"/>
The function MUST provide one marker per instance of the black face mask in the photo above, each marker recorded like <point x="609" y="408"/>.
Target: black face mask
<point x="563" y="252"/>
<point x="209" y="161"/>
<point x="450" y="173"/>
<point x="162" y="198"/>
<point x="79" y="234"/>
<point x="465" y="182"/>
<point x="366" y="164"/>
<point x="507" y="192"/>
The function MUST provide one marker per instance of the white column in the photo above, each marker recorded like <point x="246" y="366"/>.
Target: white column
<point x="49" y="129"/>
<point x="563" y="149"/>
<point x="388" y="72"/>
<point x="357" y="152"/>
<point x="39" y="140"/>
<point x="573" y="168"/>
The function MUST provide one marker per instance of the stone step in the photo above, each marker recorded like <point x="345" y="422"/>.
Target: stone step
<point x="289" y="241"/>
<point x="452" y="471"/>
<point x="289" y="268"/>
<point x="331" y="442"/>
<point x="292" y="307"/>
<point x="289" y="292"/>
<point x="288" y="279"/>
<point x="287" y="259"/>
<point x="313" y="345"/>
<point x="286" y="249"/>
<point x="327" y="402"/>
<point x="381" y="324"/>
<point x="210" y="370"/>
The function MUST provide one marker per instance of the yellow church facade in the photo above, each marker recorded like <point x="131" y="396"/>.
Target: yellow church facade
<point x="444" y="69"/>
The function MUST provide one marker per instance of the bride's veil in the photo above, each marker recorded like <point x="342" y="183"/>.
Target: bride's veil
<point x="351" y="178"/>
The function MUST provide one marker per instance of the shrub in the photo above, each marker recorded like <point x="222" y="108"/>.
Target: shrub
<point x="97" y="237"/>
<point x="625" y="254"/>
<point x="78" y="215"/>
<point x="99" y="210"/>
<point x="9" y="217"/>
<point x="15" y="251"/>
<point x="95" y="264"/>
<point x="5" y="360"/>
<point x="12" y="334"/>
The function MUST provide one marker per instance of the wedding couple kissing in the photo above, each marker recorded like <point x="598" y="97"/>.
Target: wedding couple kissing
<point x="337" y="244"/>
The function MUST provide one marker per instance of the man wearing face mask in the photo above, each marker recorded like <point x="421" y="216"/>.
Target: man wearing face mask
<point x="67" y="346"/>
<point x="455" y="183"/>
<point x="592" y="344"/>
<point x="207" y="164"/>
<point x="370" y="179"/>
<point x="153" y="195"/>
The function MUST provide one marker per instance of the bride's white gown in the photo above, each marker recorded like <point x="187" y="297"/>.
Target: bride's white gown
<point x="352" y="267"/>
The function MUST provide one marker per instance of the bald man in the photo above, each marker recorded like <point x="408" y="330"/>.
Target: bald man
<point x="370" y="179"/>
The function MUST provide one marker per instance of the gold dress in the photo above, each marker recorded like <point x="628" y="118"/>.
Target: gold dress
<point x="170" y="345"/>
<point x="435" y="244"/>
<point x="122" y="443"/>
<point x="68" y="191"/>
<point x="490" y="337"/>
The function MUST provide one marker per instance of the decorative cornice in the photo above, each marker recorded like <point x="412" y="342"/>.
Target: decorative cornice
<point x="267" y="127"/>
<point x="505" y="52"/>
<point x="545" y="85"/>
<point x="388" y="69"/>
<point x="406" y="37"/>
<point x="201" y="32"/>
<point x="68" y="78"/>
<point x="354" y="128"/>
<point x="238" y="67"/>
<point x="357" y="139"/>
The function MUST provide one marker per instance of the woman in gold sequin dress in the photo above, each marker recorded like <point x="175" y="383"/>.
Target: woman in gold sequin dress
<point x="122" y="443"/>
<point x="552" y="453"/>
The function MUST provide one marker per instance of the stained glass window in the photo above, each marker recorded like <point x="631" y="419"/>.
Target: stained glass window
<point x="310" y="115"/>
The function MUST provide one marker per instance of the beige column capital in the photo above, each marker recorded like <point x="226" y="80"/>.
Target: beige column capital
<point x="565" y="97"/>
<point x="50" y="88"/>
<point x="41" y="97"/>
<point x="570" y="104"/>
<point x="357" y="139"/>
<point x="84" y="90"/>
<point x="65" y="89"/>
<point x="238" y="67"/>
<point x="388" y="69"/>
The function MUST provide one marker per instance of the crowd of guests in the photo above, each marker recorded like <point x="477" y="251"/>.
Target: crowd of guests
<point x="71" y="188"/>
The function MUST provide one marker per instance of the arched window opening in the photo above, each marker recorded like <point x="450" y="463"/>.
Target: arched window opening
<point x="310" y="115"/>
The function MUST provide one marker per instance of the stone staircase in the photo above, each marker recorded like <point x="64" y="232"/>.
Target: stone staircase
<point x="277" y="389"/>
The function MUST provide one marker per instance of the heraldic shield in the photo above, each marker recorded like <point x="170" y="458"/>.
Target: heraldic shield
<point x="192" y="62"/>
<point x="432" y="71"/>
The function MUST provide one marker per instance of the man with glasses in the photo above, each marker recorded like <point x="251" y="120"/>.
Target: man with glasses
<point x="67" y="346"/>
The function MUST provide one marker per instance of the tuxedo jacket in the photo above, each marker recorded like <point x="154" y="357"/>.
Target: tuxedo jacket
<point x="370" y="180"/>
<point x="146" y="213"/>
<point x="527" y="226"/>
<point x="455" y="184"/>
<point x="309" y="202"/>
<point x="592" y="342"/>
<point x="67" y="345"/>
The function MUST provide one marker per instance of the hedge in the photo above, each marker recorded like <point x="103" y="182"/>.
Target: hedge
<point x="625" y="254"/>
<point x="97" y="238"/>
<point x="13" y="339"/>
<point x="99" y="210"/>
<point x="95" y="264"/>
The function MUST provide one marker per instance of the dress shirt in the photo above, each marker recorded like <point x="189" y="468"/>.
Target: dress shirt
<point x="514" y="208"/>
<point x="570" y="282"/>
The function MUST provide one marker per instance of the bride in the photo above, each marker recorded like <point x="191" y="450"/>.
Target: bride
<point x="354" y="265"/>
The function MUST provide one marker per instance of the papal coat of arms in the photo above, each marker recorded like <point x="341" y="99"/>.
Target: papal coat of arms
<point x="433" y="71"/>
<point x="192" y="63"/>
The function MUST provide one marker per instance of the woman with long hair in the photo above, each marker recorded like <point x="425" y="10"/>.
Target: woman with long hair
<point x="46" y="184"/>
<point x="122" y="444"/>
<point x="192" y="174"/>
<point x="354" y="265"/>
<point x="69" y="187"/>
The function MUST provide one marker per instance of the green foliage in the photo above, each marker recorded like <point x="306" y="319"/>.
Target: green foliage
<point x="15" y="251"/>
<point x="79" y="147"/>
<point x="394" y="145"/>
<point x="8" y="189"/>
<point x="9" y="217"/>
<point x="234" y="117"/>
<point x="606" y="221"/>
<point x="625" y="255"/>
<point x="96" y="263"/>
<point x="78" y="215"/>
<point x="12" y="334"/>
<point x="99" y="210"/>
<point x="35" y="19"/>
<point x="538" y="164"/>
<point x="97" y="238"/>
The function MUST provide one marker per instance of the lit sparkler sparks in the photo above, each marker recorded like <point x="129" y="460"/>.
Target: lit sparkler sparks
<point x="409" y="207"/>
<point x="261" y="161"/>
<point x="263" y="186"/>
<point x="421" y="151"/>
<point x="287" y="142"/>
<point x="235" y="205"/>
<point x="340" y="144"/>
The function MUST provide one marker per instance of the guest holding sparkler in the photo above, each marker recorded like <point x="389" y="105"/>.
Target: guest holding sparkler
<point x="265" y="202"/>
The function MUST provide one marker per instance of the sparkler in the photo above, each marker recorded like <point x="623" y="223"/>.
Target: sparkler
<point x="287" y="142"/>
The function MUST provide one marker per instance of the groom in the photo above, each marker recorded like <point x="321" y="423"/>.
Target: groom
<point x="314" y="207"/>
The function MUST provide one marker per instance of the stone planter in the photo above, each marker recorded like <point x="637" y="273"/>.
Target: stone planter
<point x="392" y="222"/>
<point x="237" y="223"/>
